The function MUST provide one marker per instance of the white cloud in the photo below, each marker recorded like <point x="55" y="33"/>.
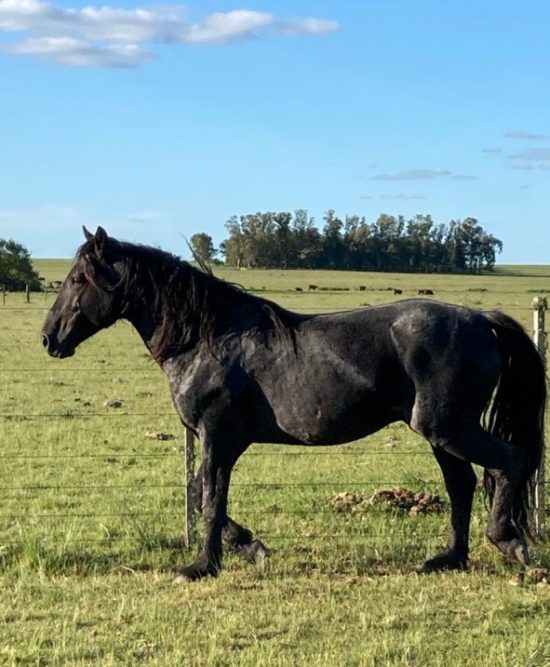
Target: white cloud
<point x="402" y="196"/>
<point x="226" y="27"/>
<point x="532" y="159"/>
<point x="422" y="175"/>
<point x="69" y="51"/>
<point x="309" y="27"/>
<point x="101" y="23"/>
<point x="533" y="155"/>
<point x="104" y="36"/>
<point x="412" y="175"/>
<point x="523" y="134"/>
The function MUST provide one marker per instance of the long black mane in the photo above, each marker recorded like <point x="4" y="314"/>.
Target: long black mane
<point x="187" y="300"/>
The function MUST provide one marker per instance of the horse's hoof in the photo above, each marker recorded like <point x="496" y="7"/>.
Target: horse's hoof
<point x="196" y="571"/>
<point x="515" y="549"/>
<point x="446" y="560"/>
<point x="257" y="553"/>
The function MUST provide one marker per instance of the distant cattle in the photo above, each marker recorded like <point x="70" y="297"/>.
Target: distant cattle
<point x="362" y="288"/>
<point x="298" y="289"/>
<point x="397" y="291"/>
<point x="312" y="288"/>
<point x="425" y="291"/>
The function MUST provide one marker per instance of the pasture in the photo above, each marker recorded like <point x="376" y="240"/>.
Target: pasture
<point x="92" y="516"/>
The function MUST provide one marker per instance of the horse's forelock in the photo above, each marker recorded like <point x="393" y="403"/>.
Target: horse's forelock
<point x="89" y="261"/>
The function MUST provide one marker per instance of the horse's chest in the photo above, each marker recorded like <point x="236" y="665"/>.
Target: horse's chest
<point x="195" y="389"/>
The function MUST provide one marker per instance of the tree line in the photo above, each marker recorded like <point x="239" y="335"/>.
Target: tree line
<point x="392" y="243"/>
<point x="288" y="241"/>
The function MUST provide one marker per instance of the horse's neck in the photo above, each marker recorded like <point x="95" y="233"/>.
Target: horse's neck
<point x="240" y="314"/>
<point x="142" y="315"/>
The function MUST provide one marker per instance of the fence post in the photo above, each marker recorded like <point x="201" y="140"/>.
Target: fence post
<point x="540" y="304"/>
<point x="189" y="471"/>
<point x="3" y="295"/>
<point x="27" y="294"/>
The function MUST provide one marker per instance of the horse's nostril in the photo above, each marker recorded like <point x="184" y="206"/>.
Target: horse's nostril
<point x="45" y="340"/>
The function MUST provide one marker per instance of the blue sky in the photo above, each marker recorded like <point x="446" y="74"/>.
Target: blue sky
<point x="159" y="120"/>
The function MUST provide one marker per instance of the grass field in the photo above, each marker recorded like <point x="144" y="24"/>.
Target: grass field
<point x="92" y="516"/>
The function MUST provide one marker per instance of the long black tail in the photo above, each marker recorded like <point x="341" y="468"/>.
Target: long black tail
<point x="516" y="413"/>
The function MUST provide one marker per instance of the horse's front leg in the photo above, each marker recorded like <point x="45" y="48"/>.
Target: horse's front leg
<point x="236" y="537"/>
<point x="216" y="473"/>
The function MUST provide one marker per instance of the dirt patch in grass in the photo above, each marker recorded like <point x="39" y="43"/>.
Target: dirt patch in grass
<point x="397" y="499"/>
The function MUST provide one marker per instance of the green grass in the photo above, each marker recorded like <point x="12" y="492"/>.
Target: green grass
<point x="92" y="517"/>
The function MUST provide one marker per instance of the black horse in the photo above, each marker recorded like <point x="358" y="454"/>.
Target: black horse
<point x="242" y="369"/>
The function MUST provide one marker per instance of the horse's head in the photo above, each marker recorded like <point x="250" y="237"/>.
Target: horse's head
<point x="89" y="298"/>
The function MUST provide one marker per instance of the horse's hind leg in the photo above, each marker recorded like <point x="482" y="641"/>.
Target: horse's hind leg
<point x="236" y="537"/>
<point x="505" y="463"/>
<point x="460" y="481"/>
<point x="501" y="530"/>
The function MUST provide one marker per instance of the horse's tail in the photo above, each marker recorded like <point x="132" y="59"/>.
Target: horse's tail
<point x="516" y="412"/>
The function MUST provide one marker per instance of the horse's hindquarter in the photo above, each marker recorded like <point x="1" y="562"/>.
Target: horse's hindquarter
<point x="451" y="355"/>
<point x="341" y="381"/>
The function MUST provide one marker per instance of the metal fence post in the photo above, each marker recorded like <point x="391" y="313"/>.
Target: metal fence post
<point x="189" y="471"/>
<point x="540" y="304"/>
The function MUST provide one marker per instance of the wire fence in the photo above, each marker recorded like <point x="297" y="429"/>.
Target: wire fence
<point x="185" y="450"/>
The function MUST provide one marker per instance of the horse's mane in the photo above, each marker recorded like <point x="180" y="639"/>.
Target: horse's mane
<point x="187" y="299"/>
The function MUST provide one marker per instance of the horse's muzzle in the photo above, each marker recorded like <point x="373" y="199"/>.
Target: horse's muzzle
<point x="56" y="350"/>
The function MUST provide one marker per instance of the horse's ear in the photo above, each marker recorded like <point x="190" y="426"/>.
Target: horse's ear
<point x="100" y="240"/>
<point x="87" y="234"/>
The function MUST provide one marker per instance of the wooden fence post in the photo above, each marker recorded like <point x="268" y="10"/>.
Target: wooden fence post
<point x="540" y="304"/>
<point x="189" y="465"/>
<point x="27" y="294"/>
<point x="3" y="295"/>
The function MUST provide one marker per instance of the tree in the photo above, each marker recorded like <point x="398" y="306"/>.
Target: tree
<point x="307" y="239"/>
<point x="233" y="247"/>
<point x="388" y="232"/>
<point x="489" y="248"/>
<point x="203" y="247"/>
<point x="334" y="249"/>
<point x="16" y="271"/>
<point x="361" y="245"/>
<point x="283" y="237"/>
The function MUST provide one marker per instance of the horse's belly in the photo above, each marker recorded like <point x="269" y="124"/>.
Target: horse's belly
<point x="326" y="397"/>
<point x="332" y="422"/>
